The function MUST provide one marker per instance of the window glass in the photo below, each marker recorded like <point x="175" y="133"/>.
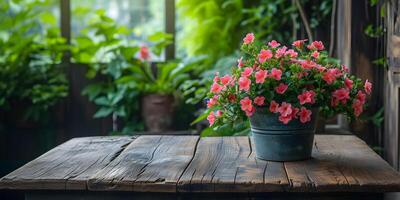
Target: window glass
<point x="144" y="16"/>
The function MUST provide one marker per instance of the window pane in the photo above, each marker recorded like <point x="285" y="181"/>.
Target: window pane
<point x="144" y="16"/>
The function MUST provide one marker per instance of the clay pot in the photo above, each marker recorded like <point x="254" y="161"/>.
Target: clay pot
<point x="157" y="112"/>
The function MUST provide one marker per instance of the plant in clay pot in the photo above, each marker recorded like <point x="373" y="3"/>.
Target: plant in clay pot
<point x="159" y="84"/>
<point x="126" y="75"/>
<point x="281" y="90"/>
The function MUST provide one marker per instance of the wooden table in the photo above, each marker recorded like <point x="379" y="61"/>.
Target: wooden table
<point x="189" y="167"/>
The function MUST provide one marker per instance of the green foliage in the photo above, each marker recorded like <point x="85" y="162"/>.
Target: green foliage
<point x="210" y="27"/>
<point x="378" y="117"/>
<point x="373" y="32"/>
<point x="320" y="12"/>
<point x="31" y="49"/>
<point x="270" y="19"/>
<point x="237" y="129"/>
<point x="120" y="74"/>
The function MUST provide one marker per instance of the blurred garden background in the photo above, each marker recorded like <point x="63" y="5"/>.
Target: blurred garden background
<point x="72" y="68"/>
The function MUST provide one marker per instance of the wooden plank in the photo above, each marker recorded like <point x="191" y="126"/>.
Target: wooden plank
<point x="150" y="163"/>
<point x="342" y="163"/>
<point x="67" y="166"/>
<point x="228" y="164"/>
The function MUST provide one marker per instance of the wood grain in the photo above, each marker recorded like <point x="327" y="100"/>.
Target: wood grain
<point x="343" y="164"/>
<point x="228" y="164"/>
<point x="67" y="166"/>
<point x="150" y="163"/>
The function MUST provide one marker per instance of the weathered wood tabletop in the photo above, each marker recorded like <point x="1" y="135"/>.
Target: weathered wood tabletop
<point x="189" y="164"/>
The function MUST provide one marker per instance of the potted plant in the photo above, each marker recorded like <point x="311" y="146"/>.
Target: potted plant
<point x="127" y="79"/>
<point x="158" y="84"/>
<point x="282" y="90"/>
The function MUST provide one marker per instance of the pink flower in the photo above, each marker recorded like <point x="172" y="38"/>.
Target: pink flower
<point x="264" y="55"/>
<point x="259" y="100"/>
<point x="211" y="118"/>
<point x="261" y="75"/>
<point x="357" y="107"/>
<point x="361" y="97"/>
<point x="307" y="97"/>
<point x="219" y="113"/>
<point x="289" y="115"/>
<point x="285" y="109"/>
<point x="273" y="107"/>
<point x="240" y="62"/>
<point x="294" y="112"/>
<point x="249" y="113"/>
<point x="345" y="69"/>
<point x="368" y="87"/>
<point x="212" y="102"/>
<point x="308" y="64"/>
<point x="340" y="95"/>
<point x="285" y="120"/>
<point x="247" y="72"/>
<point x="216" y="88"/>
<point x="316" y="45"/>
<point x="281" y="88"/>
<point x="349" y="83"/>
<point x="280" y="52"/>
<point x="305" y="115"/>
<point x="244" y="84"/>
<point x="330" y="75"/>
<point x="144" y="53"/>
<point x="299" y="43"/>
<point x="273" y="44"/>
<point x="226" y="79"/>
<point x="276" y="74"/>
<point x="246" y="104"/>
<point x="216" y="78"/>
<point x="315" y="54"/>
<point x="291" y="53"/>
<point x="248" y="39"/>
<point x="320" y="68"/>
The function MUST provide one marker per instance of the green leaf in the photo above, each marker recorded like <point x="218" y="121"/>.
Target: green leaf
<point x="373" y="2"/>
<point x="49" y="18"/>
<point x="103" y="112"/>
<point x="92" y="91"/>
<point x="160" y="36"/>
<point x="165" y="71"/>
<point x="103" y="101"/>
<point x="382" y="11"/>
<point x="201" y="117"/>
<point x="129" y="52"/>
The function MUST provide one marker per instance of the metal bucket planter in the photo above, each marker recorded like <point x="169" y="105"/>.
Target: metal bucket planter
<point x="276" y="141"/>
<point x="157" y="112"/>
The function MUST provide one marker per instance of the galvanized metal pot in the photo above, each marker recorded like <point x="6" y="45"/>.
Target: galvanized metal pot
<point x="276" y="141"/>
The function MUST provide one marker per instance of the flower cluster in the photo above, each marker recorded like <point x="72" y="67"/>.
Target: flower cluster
<point x="288" y="81"/>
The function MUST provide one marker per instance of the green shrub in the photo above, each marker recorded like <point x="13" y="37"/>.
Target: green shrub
<point x="31" y="50"/>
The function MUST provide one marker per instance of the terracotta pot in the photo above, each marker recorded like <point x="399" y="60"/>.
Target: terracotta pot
<point x="157" y="112"/>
